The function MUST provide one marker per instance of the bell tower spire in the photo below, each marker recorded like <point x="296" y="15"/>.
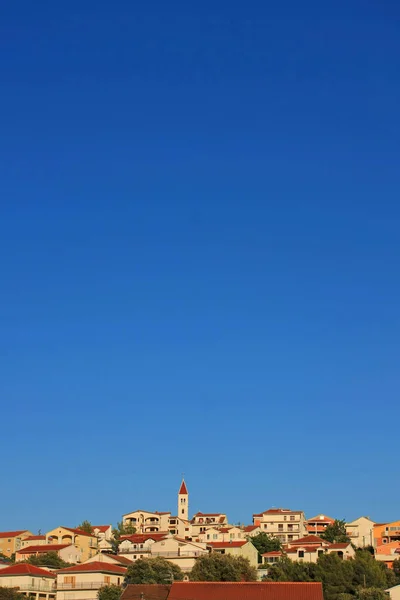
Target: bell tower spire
<point x="183" y="501"/>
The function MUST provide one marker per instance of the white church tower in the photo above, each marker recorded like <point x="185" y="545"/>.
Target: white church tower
<point x="183" y="502"/>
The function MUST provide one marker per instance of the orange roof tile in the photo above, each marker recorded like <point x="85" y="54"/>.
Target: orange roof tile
<point x="26" y="569"/>
<point x="95" y="566"/>
<point x="11" y="534"/>
<point x="245" y="591"/>
<point x="44" y="548"/>
<point x="227" y="544"/>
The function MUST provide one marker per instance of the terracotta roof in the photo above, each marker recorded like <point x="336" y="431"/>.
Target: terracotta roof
<point x="250" y="527"/>
<point x="44" y="548"/>
<point x="183" y="488"/>
<point x="26" y="569"/>
<point x="272" y="553"/>
<point x="102" y="528"/>
<point x="151" y="592"/>
<point x="339" y="546"/>
<point x="77" y="531"/>
<point x="11" y="534"/>
<point x="200" y="514"/>
<point x="245" y="591"/>
<point x="34" y="537"/>
<point x="279" y="511"/>
<point x="140" y="538"/>
<point x="309" y="539"/>
<point x="121" y="559"/>
<point x="95" y="566"/>
<point x="227" y="544"/>
<point x="321" y="519"/>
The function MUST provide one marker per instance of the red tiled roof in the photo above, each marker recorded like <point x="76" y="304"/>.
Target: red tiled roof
<point x="95" y="566"/>
<point x="250" y="527"/>
<point x="153" y="591"/>
<point x="11" y="534"/>
<point x="310" y="539"/>
<point x="200" y="514"/>
<point x="140" y="538"/>
<point x="320" y="519"/>
<point x="183" y="488"/>
<point x="279" y="511"/>
<point x="77" y="531"/>
<point x="42" y="548"/>
<point x="245" y="591"/>
<point x="272" y="553"/>
<point x="34" y="537"/>
<point x="102" y="528"/>
<point x="339" y="546"/>
<point x="26" y="569"/>
<point x="227" y="544"/>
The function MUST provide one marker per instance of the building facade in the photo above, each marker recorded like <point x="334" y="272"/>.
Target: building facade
<point x="285" y="524"/>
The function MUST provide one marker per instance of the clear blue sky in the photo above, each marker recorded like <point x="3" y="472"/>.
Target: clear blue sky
<point x="199" y="237"/>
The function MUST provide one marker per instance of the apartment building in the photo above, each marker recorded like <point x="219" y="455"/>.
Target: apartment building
<point x="361" y="532"/>
<point x="317" y="525"/>
<point x="69" y="553"/>
<point x="86" y="542"/>
<point x="285" y="524"/>
<point x="31" y="581"/>
<point x="11" y="541"/>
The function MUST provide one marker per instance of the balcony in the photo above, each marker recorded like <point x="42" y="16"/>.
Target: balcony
<point x="37" y="587"/>
<point x="89" y="585"/>
<point x="177" y="554"/>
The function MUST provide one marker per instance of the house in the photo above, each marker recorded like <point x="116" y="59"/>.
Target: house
<point x="318" y="524"/>
<point x="309" y="549"/>
<point x="31" y="581"/>
<point x="179" y="551"/>
<point x="223" y="534"/>
<point x="285" y="524"/>
<point x="82" y="582"/>
<point x="33" y="540"/>
<point x="388" y="552"/>
<point x="203" y="521"/>
<point x="10" y="541"/>
<point x="102" y="532"/>
<point x="394" y="592"/>
<point x="251" y="530"/>
<point x="360" y="532"/>
<point x="86" y="542"/>
<point x="238" y="548"/>
<point x="269" y="558"/>
<point x="69" y="553"/>
<point x="391" y="532"/>
<point x="138" y="545"/>
<point x="204" y="590"/>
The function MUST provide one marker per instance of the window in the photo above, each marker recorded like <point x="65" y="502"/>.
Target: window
<point x="134" y="557"/>
<point x="208" y="536"/>
<point x="265" y="526"/>
<point x="280" y="527"/>
<point x="285" y="518"/>
<point x="292" y="518"/>
<point x="215" y="536"/>
<point x="183" y="511"/>
<point x="119" y="581"/>
<point x="301" y="553"/>
<point x="107" y="579"/>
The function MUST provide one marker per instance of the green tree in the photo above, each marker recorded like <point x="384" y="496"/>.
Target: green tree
<point x="86" y="526"/>
<point x="336" y="532"/>
<point x="265" y="543"/>
<point x="222" y="567"/>
<point x="396" y="569"/>
<point x="109" y="592"/>
<point x="119" y="530"/>
<point x="10" y="594"/>
<point x="371" y="594"/>
<point x="153" y="570"/>
<point x="50" y="559"/>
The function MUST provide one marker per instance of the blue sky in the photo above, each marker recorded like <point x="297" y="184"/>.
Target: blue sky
<point x="199" y="231"/>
